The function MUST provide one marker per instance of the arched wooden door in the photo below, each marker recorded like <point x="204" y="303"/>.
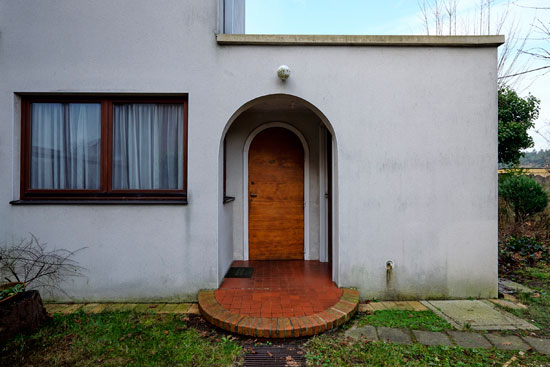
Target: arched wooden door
<point x="276" y="196"/>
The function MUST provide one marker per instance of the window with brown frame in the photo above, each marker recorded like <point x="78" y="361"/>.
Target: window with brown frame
<point x="104" y="149"/>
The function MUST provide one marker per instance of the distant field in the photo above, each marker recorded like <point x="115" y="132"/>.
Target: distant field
<point x="544" y="172"/>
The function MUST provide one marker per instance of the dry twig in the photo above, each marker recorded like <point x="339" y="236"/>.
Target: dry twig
<point x="31" y="262"/>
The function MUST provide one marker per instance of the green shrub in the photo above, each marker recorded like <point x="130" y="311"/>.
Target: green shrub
<point x="8" y="292"/>
<point x="520" y="252"/>
<point x="524" y="195"/>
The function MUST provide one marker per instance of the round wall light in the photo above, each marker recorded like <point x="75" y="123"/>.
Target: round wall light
<point x="283" y="72"/>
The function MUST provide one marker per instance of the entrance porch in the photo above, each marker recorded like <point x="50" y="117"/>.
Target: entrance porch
<point x="282" y="298"/>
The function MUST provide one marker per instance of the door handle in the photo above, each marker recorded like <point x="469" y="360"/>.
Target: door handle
<point x="252" y="195"/>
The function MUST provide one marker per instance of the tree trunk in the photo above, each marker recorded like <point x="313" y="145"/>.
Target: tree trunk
<point x="22" y="313"/>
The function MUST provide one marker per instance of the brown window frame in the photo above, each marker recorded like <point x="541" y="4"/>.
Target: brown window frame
<point x="105" y="194"/>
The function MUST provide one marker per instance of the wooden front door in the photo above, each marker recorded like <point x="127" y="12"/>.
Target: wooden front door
<point x="276" y="196"/>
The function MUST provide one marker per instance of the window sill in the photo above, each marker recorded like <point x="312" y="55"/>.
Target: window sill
<point x="99" y="202"/>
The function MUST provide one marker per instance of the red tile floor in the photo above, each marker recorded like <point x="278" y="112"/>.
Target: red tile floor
<point x="282" y="288"/>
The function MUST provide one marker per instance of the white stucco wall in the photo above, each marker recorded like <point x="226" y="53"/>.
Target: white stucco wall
<point x="415" y="129"/>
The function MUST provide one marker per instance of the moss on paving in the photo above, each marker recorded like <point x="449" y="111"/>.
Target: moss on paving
<point x="119" y="339"/>
<point x="416" y="320"/>
<point x="328" y="351"/>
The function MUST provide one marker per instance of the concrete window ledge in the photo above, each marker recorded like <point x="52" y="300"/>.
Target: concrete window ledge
<point x="344" y="40"/>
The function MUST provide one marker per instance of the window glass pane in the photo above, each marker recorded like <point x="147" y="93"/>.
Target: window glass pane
<point x="148" y="146"/>
<point x="65" y="140"/>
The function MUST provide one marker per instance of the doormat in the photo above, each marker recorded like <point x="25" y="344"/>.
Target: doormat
<point x="239" y="272"/>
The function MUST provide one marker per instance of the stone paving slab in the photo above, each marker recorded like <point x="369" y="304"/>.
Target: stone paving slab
<point x="54" y="308"/>
<point x="167" y="308"/>
<point x="540" y="345"/>
<point x="87" y="308"/>
<point x="432" y="338"/>
<point x="393" y="335"/>
<point x="396" y="305"/>
<point x="66" y="308"/>
<point x="508" y="304"/>
<point x="194" y="309"/>
<point x="378" y="306"/>
<point x="478" y="314"/>
<point x="449" y="338"/>
<point x="365" y="307"/>
<point x="469" y="340"/>
<point x="183" y="308"/>
<point x="514" y="286"/>
<point x="417" y="306"/>
<point x="71" y="309"/>
<point x="368" y="332"/>
<point x="507" y="342"/>
<point x="122" y="307"/>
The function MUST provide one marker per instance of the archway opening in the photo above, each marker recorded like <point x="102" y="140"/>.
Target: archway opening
<point x="318" y="221"/>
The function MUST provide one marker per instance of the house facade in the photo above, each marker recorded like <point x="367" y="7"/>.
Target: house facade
<point x="159" y="137"/>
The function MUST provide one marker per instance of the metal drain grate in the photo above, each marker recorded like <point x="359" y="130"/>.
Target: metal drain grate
<point x="274" y="356"/>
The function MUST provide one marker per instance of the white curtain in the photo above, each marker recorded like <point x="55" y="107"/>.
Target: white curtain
<point x="65" y="140"/>
<point x="148" y="146"/>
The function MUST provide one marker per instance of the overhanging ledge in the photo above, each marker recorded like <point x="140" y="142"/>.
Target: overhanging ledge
<point x="356" y="40"/>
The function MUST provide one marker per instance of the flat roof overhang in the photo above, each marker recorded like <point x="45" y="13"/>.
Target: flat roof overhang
<point x="358" y="40"/>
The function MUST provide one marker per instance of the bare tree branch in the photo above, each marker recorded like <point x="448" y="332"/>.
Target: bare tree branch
<point x="525" y="72"/>
<point x="31" y="262"/>
<point x="515" y="56"/>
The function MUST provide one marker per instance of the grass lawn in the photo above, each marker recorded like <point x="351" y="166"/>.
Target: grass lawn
<point x="328" y="351"/>
<point x="119" y="339"/>
<point x="538" y="311"/>
<point x="416" y="320"/>
<point x="133" y="339"/>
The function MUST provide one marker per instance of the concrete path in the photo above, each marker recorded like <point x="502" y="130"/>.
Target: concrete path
<point x="477" y="315"/>
<point x="449" y="338"/>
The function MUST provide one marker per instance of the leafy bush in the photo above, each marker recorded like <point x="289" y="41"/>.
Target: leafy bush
<point x="8" y="292"/>
<point x="516" y="115"/>
<point x="520" y="252"/>
<point x="524" y="195"/>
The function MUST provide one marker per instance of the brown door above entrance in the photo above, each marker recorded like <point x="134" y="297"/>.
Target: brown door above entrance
<point x="276" y="196"/>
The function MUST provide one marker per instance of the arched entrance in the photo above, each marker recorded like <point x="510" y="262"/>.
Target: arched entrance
<point x="277" y="227"/>
<point x="276" y="195"/>
<point x="274" y="228"/>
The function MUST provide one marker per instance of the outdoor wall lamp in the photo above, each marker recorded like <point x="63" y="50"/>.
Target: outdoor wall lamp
<point x="283" y="72"/>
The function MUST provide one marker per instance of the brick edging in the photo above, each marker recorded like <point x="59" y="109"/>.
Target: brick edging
<point x="279" y="327"/>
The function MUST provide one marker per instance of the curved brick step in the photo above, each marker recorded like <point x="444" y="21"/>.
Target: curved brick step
<point x="279" y="327"/>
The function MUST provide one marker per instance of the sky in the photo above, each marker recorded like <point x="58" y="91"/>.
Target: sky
<point x="405" y="17"/>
